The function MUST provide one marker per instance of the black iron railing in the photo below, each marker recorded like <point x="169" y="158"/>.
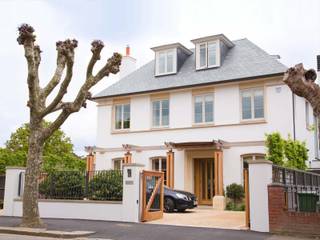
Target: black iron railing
<point x="302" y="189"/>
<point x="93" y="185"/>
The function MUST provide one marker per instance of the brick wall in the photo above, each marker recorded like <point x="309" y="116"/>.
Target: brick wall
<point x="282" y="221"/>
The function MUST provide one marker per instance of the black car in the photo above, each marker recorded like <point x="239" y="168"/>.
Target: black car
<point x="178" y="200"/>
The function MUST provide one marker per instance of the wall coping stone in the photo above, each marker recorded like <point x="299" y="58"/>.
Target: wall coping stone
<point x="73" y="201"/>
<point x="259" y="162"/>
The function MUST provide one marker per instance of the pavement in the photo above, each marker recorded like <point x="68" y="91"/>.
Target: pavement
<point x="205" y="217"/>
<point x="138" y="231"/>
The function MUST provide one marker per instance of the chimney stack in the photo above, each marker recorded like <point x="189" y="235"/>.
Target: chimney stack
<point x="128" y="50"/>
<point x="128" y="64"/>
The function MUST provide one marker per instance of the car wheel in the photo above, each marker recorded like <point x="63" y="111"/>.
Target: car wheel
<point x="168" y="205"/>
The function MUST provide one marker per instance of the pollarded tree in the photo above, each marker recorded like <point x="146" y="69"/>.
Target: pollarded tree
<point x="302" y="83"/>
<point x="40" y="108"/>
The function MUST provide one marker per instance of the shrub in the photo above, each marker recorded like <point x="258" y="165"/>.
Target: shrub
<point x="106" y="185"/>
<point x="231" y="206"/>
<point x="63" y="185"/>
<point x="235" y="192"/>
<point x="289" y="153"/>
<point x="275" y="146"/>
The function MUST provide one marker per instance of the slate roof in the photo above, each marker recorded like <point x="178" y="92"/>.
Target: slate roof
<point x="244" y="61"/>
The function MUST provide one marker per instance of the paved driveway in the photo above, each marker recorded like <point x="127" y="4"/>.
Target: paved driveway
<point x="131" y="231"/>
<point x="205" y="217"/>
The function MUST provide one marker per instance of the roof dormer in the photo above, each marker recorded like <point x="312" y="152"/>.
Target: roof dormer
<point x="210" y="51"/>
<point x="169" y="58"/>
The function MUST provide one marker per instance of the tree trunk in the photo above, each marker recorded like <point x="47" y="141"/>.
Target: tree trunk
<point x="30" y="195"/>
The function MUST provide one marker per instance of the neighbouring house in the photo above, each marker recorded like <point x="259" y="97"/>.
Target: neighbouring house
<point x="198" y="114"/>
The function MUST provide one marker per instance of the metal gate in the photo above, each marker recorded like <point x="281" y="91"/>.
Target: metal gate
<point x="152" y="195"/>
<point x="2" y="185"/>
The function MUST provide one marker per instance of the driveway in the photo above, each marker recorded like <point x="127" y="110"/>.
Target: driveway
<point x="136" y="231"/>
<point x="205" y="217"/>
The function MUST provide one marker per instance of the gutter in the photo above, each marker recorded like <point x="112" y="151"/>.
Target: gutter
<point x="190" y="86"/>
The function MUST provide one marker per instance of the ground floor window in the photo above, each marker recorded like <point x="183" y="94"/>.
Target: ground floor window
<point x="160" y="164"/>
<point x="117" y="163"/>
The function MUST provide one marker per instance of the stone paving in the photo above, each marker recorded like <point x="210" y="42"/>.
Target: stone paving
<point x="205" y="217"/>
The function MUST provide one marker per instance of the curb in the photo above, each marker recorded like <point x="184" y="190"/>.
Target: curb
<point x="44" y="232"/>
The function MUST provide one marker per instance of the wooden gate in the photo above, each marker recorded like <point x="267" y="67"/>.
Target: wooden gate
<point x="152" y="195"/>
<point x="247" y="197"/>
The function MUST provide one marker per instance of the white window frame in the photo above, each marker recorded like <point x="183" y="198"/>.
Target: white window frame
<point x="160" y="123"/>
<point x="174" y="61"/>
<point x="217" y="43"/>
<point x="252" y="90"/>
<point x="122" y="119"/>
<point x="160" y="158"/>
<point x="203" y="95"/>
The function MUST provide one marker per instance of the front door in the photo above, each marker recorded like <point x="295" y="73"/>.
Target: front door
<point x="204" y="180"/>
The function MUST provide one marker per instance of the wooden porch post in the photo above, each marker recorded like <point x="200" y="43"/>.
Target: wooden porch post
<point x="218" y="173"/>
<point x="170" y="169"/>
<point x="127" y="157"/>
<point x="90" y="162"/>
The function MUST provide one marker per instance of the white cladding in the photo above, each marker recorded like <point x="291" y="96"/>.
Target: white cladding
<point x="227" y="126"/>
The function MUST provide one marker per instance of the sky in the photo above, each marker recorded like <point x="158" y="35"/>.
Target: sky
<point x="290" y="28"/>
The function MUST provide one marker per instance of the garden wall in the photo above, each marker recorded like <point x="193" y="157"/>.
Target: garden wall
<point x="283" y="221"/>
<point x="127" y="210"/>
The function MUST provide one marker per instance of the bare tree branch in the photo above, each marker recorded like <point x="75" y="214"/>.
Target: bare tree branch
<point x="112" y="66"/>
<point x="32" y="54"/>
<point x="301" y="82"/>
<point x="96" y="48"/>
<point x="67" y="50"/>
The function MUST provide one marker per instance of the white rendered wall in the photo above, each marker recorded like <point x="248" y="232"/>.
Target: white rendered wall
<point x="278" y="117"/>
<point x="127" y="210"/>
<point x="260" y="176"/>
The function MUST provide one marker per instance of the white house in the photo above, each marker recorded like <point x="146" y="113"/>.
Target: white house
<point x="197" y="114"/>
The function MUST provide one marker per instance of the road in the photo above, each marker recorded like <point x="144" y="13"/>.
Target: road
<point x="133" y="231"/>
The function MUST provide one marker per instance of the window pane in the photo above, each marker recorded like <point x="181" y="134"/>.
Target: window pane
<point x="198" y="110"/>
<point x="246" y="105"/>
<point x="118" y="116"/>
<point x="165" y="113"/>
<point x="209" y="108"/>
<point x="170" y="61"/>
<point x="126" y="116"/>
<point x="156" y="113"/>
<point x="155" y="164"/>
<point x="212" y="54"/>
<point x="203" y="55"/>
<point x="117" y="164"/>
<point x="164" y="169"/>
<point x="258" y="104"/>
<point x="162" y="59"/>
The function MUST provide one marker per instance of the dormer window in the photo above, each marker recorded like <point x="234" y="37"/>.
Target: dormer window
<point x="166" y="62"/>
<point x="210" y="51"/>
<point x="207" y="54"/>
<point x="168" y="58"/>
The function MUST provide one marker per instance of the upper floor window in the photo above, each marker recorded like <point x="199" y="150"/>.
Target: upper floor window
<point x="207" y="55"/>
<point x="122" y="116"/>
<point x="160" y="164"/>
<point x="165" y="62"/>
<point x="252" y="104"/>
<point x="203" y="108"/>
<point x="160" y="113"/>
